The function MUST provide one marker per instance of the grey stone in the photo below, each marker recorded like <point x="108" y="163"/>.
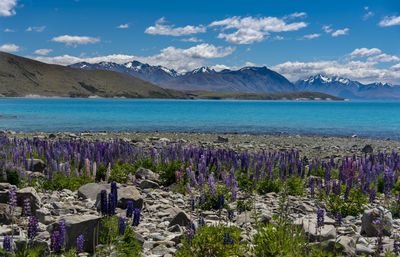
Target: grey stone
<point x="364" y="250"/>
<point x="175" y="228"/>
<point x="129" y="193"/>
<point x="5" y="216"/>
<point x="309" y="227"/>
<point x="22" y="194"/>
<point x="143" y="173"/>
<point x="343" y="245"/>
<point x="370" y="215"/>
<point x="5" y="186"/>
<point x="92" y="190"/>
<point x="367" y="149"/>
<point x="36" y="165"/>
<point x="181" y="218"/>
<point x="161" y="250"/>
<point x="148" y="184"/>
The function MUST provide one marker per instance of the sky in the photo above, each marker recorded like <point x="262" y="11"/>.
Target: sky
<point x="356" y="39"/>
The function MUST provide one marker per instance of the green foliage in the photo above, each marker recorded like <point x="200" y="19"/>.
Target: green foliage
<point x="267" y="185"/>
<point x="167" y="172"/>
<point x="211" y="202"/>
<point x="295" y="185"/>
<point x="244" y="183"/>
<point x="61" y="182"/>
<point x="120" y="172"/>
<point x="101" y="172"/>
<point x="394" y="207"/>
<point x="380" y="184"/>
<point x="125" y="245"/>
<point x="209" y="242"/>
<point x="37" y="251"/>
<point x="244" y="205"/>
<point x="353" y="206"/>
<point x="12" y="177"/>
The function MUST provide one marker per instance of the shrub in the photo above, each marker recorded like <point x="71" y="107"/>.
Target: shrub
<point x="101" y="172"/>
<point x="244" y="205"/>
<point x="354" y="205"/>
<point x="295" y="185"/>
<point x="61" y="182"/>
<point x="211" y="241"/>
<point x="12" y="177"/>
<point x="120" y="172"/>
<point x="267" y="185"/>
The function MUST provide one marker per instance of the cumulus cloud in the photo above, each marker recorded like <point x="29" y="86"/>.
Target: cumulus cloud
<point x="36" y="29"/>
<point x="395" y="67"/>
<point x="7" y="7"/>
<point x="123" y="26"/>
<point x="43" y="51"/>
<point x="383" y="58"/>
<point x="9" y="30"/>
<point x="160" y="28"/>
<point x="192" y="39"/>
<point x="340" y="32"/>
<point x="182" y="60"/>
<point x="9" y="48"/>
<point x="250" y="29"/>
<point x="311" y="36"/>
<point x="362" y="52"/>
<point x="75" y="40"/>
<point x="390" y="21"/>
<point x="365" y="72"/>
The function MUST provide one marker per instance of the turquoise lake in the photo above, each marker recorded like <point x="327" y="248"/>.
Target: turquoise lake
<point x="364" y="119"/>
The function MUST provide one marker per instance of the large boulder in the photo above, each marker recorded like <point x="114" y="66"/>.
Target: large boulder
<point x="309" y="226"/>
<point x="75" y="225"/>
<point x="370" y="215"/>
<point x="343" y="245"/>
<point x="143" y="173"/>
<point x="5" y="216"/>
<point x="129" y="193"/>
<point x="22" y="194"/>
<point x="92" y="190"/>
<point x="36" y="165"/>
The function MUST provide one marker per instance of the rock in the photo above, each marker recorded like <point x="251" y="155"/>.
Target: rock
<point x="370" y="215"/>
<point x="161" y="250"/>
<point x="175" y="228"/>
<point x="143" y="173"/>
<point x="148" y="184"/>
<point x="364" y="250"/>
<point x="5" y="216"/>
<point x="181" y="218"/>
<point x="22" y="194"/>
<point x="43" y="216"/>
<point x="129" y="193"/>
<point x="5" y="186"/>
<point x="367" y="149"/>
<point x="36" y="165"/>
<point x="222" y="139"/>
<point x="87" y="225"/>
<point x="52" y="136"/>
<point x="343" y="245"/>
<point x="309" y="226"/>
<point x="92" y="190"/>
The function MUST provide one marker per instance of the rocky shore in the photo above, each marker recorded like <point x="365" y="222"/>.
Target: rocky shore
<point x="165" y="213"/>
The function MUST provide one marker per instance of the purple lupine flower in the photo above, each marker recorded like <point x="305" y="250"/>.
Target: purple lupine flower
<point x="388" y="178"/>
<point x="27" y="207"/>
<point x="55" y="244"/>
<point x="111" y="206"/>
<point x="347" y="192"/>
<point x="136" y="217"/>
<point x="192" y="202"/>
<point x="32" y="227"/>
<point x="339" y="218"/>
<point x="188" y="189"/>
<point x="61" y="228"/>
<point x="227" y="239"/>
<point x="121" y="226"/>
<point x="372" y="195"/>
<point x="327" y="189"/>
<point x="211" y="184"/>
<point x="220" y="202"/>
<point x="201" y="222"/>
<point x="235" y="189"/>
<point x="12" y="199"/>
<point x="336" y="187"/>
<point x="377" y="222"/>
<point x="320" y="217"/>
<point x="7" y="243"/>
<point x="190" y="231"/>
<point x="103" y="203"/>
<point x="114" y="191"/>
<point x="231" y="215"/>
<point x="129" y="209"/>
<point x="79" y="243"/>
<point x="312" y="189"/>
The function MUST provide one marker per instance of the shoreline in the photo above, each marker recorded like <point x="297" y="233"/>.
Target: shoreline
<point x="322" y="147"/>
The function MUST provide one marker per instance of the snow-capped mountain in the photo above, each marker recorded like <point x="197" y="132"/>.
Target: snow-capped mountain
<point x="247" y="79"/>
<point x="343" y="87"/>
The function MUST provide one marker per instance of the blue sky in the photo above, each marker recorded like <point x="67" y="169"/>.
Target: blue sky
<point x="355" y="39"/>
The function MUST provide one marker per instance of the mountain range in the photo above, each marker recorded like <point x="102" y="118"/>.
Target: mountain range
<point x="22" y="77"/>
<point x="247" y="79"/>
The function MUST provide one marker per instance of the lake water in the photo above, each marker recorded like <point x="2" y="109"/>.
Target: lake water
<point x="365" y="119"/>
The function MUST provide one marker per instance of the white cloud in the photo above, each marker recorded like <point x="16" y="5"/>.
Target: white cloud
<point x="278" y="38"/>
<point x="220" y="67"/>
<point x="179" y="59"/>
<point x="362" y="52"/>
<point x="9" y="48"/>
<point x="390" y="21"/>
<point x="395" y="67"/>
<point x="368" y="15"/>
<point x="311" y="36"/>
<point x="36" y="29"/>
<point x="7" y="7"/>
<point x="123" y="26"/>
<point x="295" y="15"/>
<point x="327" y="28"/>
<point x="340" y="32"/>
<point x="365" y="72"/>
<point x="169" y="30"/>
<point x="9" y="30"/>
<point x="75" y="40"/>
<point x="383" y="58"/>
<point x="43" y="51"/>
<point x="192" y="39"/>
<point x="250" y="30"/>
